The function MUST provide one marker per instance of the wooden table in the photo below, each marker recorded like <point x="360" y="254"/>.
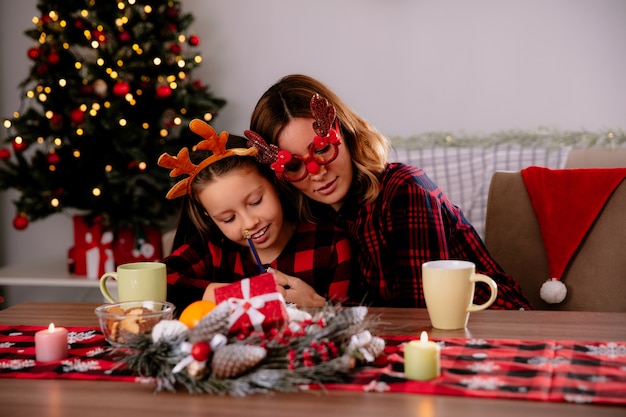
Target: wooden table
<point x="65" y="398"/>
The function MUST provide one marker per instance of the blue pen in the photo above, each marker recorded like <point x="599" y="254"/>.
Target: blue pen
<point x="246" y="234"/>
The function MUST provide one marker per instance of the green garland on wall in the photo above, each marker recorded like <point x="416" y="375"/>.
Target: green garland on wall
<point x="544" y="137"/>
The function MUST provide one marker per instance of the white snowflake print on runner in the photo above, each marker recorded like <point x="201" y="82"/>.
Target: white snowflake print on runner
<point x="558" y="361"/>
<point x="578" y="398"/>
<point x="478" y="382"/>
<point x="486" y="367"/>
<point x="611" y="349"/>
<point x="17" y="364"/>
<point x="78" y="365"/>
<point x="96" y="352"/>
<point x="376" y="386"/>
<point x="75" y="337"/>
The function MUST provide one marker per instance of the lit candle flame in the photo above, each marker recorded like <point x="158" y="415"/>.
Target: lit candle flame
<point x="51" y="327"/>
<point x="424" y="337"/>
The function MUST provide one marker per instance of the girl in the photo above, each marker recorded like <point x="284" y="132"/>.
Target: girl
<point x="228" y="196"/>
<point x="335" y="166"/>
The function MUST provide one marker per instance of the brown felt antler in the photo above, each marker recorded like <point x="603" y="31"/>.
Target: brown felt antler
<point x="181" y="164"/>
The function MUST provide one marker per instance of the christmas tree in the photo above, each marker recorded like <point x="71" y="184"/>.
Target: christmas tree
<point x="110" y="89"/>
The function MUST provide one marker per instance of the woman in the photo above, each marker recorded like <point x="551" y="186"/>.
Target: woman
<point x="396" y="217"/>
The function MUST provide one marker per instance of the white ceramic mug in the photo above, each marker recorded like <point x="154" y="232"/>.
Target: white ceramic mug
<point x="449" y="292"/>
<point x="137" y="281"/>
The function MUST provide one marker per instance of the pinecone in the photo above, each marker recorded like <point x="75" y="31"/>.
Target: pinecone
<point x="233" y="360"/>
<point x="213" y="323"/>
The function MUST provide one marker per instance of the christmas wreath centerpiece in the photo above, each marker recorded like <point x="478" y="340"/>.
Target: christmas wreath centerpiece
<point x="252" y="344"/>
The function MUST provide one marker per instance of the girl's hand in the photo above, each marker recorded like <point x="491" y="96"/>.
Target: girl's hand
<point x="296" y="291"/>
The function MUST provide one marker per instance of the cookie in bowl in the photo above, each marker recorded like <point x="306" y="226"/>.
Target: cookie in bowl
<point x="121" y="321"/>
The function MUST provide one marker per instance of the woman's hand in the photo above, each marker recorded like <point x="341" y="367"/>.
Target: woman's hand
<point x="296" y="291"/>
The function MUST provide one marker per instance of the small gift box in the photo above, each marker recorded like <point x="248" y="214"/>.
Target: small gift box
<point x="92" y="253"/>
<point x="255" y="305"/>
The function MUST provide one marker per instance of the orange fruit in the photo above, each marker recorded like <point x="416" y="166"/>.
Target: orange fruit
<point x="195" y="311"/>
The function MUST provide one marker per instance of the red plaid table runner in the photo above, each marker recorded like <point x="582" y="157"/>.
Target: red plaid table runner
<point x="571" y="371"/>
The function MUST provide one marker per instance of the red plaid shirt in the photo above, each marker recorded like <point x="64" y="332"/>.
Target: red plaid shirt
<point x="319" y="254"/>
<point x="412" y="222"/>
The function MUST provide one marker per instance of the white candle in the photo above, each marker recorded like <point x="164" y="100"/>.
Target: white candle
<point x="51" y="344"/>
<point x="421" y="359"/>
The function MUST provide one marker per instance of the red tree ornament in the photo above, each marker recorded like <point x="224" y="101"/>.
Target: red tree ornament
<point x="77" y="116"/>
<point x="121" y="88"/>
<point x="163" y="91"/>
<point x="53" y="58"/>
<point x="20" y="222"/>
<point x="99" y="35"/>
<point x="124" y="36"/>
<point x="172" y="13"/>
<point x="53" y="158"/>
<point x="33" y="53"/>
<point x="194" y="40"/>
<point x="5" y="153"/>
<point x="56" y="122"/>
<point x="42" y="70"/>
<point x="19" y="145"/>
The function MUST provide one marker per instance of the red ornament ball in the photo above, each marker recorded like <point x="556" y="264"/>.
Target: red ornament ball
<point x="42" y="70"/>
<point x="19" y="146"/>
<point x="33" y="53"/>
<point x="20" y="222"/>
<point x="172" y="13"/>
<point x="121" y="88"/>
<point x="53" y="158"/>
<point x="86" y="90"/>
<point x="56" y="122"/>
<point x="99" y="35"/>
<point x="194" y="40"/>
<point x="176" y="48"/>
<point x="77" y="116"/>
<point x="53" y="58"/>
<point x="124" y="36"/>
<point x="163" y="91"/>
<point x="200" y="351"/>
<point x="5" y="153"/>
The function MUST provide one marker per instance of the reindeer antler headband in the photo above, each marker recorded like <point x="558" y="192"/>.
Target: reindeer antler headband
<point x="181" y="164"/>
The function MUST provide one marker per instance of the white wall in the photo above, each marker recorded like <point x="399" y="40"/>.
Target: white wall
<point x="408" y="66"/>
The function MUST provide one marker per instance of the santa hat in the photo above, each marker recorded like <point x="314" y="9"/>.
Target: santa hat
<point x="566" y="203"/>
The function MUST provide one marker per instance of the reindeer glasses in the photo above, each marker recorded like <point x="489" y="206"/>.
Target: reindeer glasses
<point x="322" y="151"/>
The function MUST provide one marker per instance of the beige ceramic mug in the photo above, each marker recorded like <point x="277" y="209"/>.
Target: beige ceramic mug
<point x="449" y="292"/>
<point x="137" y="281"/>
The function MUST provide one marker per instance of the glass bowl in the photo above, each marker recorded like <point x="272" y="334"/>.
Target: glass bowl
<point x="121" y="321"/>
